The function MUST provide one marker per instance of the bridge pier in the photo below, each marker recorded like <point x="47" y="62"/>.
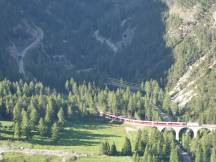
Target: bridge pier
<point x="195" y="131"/>
<point x="177" y="130"/>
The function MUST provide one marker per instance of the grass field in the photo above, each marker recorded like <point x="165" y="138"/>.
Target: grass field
<point x="15" y="157"/>
<point x="105" y="159"/>
<point x="81" y="137"/>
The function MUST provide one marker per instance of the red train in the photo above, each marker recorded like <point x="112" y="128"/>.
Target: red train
<point x="143" y="122"/>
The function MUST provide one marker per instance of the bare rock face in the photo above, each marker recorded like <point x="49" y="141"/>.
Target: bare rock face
<point x="214" y="17"/>
<point x="193" y="23"/>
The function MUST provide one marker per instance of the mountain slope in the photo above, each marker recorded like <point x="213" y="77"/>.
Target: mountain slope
<point x="87" y="40"/>
<point x="191" y="33"/>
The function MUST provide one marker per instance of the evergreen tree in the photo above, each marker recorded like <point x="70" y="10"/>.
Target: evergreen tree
<point x="138" y="139"/>
<point x="136" y="158"/>
<point x="186" y="139"/>
<point x="150" y="157"/>
<point x="166" y="102"/>
<point x="139" y="145"/>
<point x="127" y="149"/>
<point x="60" y="115"/>
<point x="198" y="154"/>
<point x="67" y="86"/>
<point x="213" y="156"/>
<point x="145" y="137"/>
<point x="33" y="117"/>
<point x="148" y="88"/>
<point x="174" y="153"/>
<point x="55" y="132"/>
<point x="105" y="148"/>
<point x="69" y="112"/>
<point x="49" y="113"/>
<point x="42" y="127"/>
<point x="17" y="130"/>
<point x="113" y="150"/>
<point x="25" y="127"/>
<point x="17" y="112"/>
<point x="146" y="154"/>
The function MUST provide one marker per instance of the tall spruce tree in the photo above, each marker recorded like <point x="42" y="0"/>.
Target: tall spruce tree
<point x="146" y="154"/>
<point x="33" y="116"/>
<point x="25" y="127"/>
<point x="105" y="148"/>
<point x="17" y="130"/>
<point x="213" y="156"/>
<point x="61" y="118"/>
<point x="198" y="154"/>
<point x="42" y="127"/>
<point x="55" y="130"/>
<point x="113" y="150"/>
<point x="174" y="153"/>
<point x="127" y="148"/>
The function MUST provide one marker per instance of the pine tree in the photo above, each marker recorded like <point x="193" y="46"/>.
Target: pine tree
<point x="49" y="113"/>
<point x="150" y="157"/>
<point x="146" y="154"/>
<point x="42" y="127"/>
<point x="166" y="102"/>
<point x="55" y="132"/>
<point x="25" y="127"/>
<point x="113" y="150"/>
<point x="139" y="146"/>
<point x="60" y="115"/>
<point x="174" y="154"/>
<point x="105" y="148"/>
<point x="33" y="116"/>
<point x="69" y="112"/>
<point x="213" y="156"/>
<point x="186" y="139"/>
<point x="17" y="112"/>
<point x="148" y="88"/>
<point x="145" y="136"/>
<point x="198" y="154"/>
<point x="138" y="139"/>
<point x="127" y="149"/>
<point x="136" y="158"/>
<point x="67" y="86"/>
<point x="17" y="130"/>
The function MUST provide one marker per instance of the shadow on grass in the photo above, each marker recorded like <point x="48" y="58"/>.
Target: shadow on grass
<point x="75" y="137"/>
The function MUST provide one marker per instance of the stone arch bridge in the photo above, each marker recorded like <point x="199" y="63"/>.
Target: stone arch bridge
<point x="176" y="126"/>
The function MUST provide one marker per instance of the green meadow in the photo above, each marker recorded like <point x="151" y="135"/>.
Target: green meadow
<point x="80" y="137"/>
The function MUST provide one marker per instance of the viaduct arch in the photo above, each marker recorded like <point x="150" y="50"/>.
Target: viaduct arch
<point x="176" y="126"/>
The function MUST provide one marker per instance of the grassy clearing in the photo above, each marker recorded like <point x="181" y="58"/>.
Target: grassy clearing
<point x="105" y="159"/>
<point x="83" y="137"/>
<point x="15" y="157"/>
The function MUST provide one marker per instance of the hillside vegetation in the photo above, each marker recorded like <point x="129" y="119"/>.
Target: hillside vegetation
<point x="84" y="40"/>
<point x="142" y="59"/>
<point x="191" y="33"/>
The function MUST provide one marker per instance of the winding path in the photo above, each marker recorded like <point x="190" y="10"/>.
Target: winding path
<point x="37" y="34"/>
<point x="28" y="151"/>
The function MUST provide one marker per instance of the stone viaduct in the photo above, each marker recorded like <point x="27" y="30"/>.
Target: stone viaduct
<point x="177" y="127"/>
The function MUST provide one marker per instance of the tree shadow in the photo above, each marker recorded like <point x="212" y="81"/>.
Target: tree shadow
<point x="70" y="136"/>
<point x="91" y="125"/>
